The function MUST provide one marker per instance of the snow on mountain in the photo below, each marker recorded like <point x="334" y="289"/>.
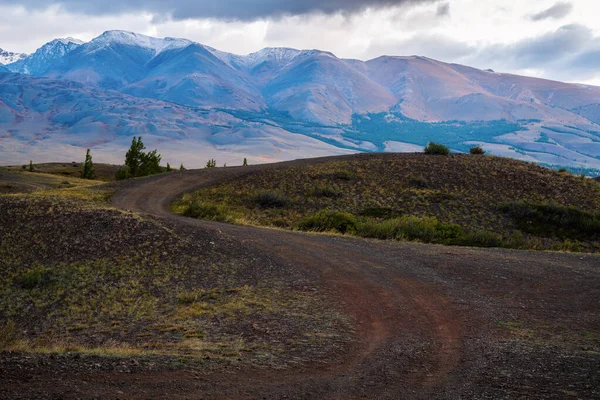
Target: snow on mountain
<point x="45" y="57"/>
<point x="7" y="57"/>
<point x="131" y="39"/>
<point x="385" y="103"/>
<point x="277" y="56"/>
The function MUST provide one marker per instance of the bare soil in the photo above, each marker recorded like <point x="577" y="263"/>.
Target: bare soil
<point x="430" y="322"/>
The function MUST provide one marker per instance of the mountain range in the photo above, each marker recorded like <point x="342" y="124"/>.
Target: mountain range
<point x="280" y="103"/>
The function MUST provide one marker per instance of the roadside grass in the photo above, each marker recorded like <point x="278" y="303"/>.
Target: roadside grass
<point x="466" y="200"/>
<point x="77" y="275"/>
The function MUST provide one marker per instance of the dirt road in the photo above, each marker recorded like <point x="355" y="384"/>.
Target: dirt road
<point x="430" y="321"/>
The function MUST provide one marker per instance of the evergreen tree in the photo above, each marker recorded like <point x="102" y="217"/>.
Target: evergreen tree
<point x="169" y="167"/>
<point x="181" y="168"/>
<point x="138" y="163"/>
<point x="212" y="163"/>
<point x="88" y="167"/>
<point x="245" y="164"/>
<point x="133" y="158"/>
<point x="149" y="164"/>
<point x="30" y="166"/>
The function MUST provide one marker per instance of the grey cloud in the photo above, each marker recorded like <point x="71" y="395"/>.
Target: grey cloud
<point x="557" y="11"/>
<point x="220" y="9"/>
<point x="443" y="10"/>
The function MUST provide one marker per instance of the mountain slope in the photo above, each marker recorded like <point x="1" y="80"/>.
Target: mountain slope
<point x="194" y="76"/>
<point x="43" y="119"/>
<point x="45" y="57"/>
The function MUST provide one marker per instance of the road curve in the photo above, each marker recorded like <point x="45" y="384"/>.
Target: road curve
<point x="425" y="316"/>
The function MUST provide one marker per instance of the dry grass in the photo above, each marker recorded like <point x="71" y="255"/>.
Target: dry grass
<point x="465" y="190"/>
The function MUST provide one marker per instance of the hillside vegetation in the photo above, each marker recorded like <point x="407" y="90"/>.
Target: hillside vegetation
<point x="78" y="275"/>
<point x="458" y="200"/>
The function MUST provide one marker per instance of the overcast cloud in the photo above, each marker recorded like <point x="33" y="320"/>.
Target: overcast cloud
<point x="245" y="10"/>
<point x="542" y="38"/>
<point x="557" y="11"/>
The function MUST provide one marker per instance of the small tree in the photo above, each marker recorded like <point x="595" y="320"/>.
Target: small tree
<point x="212" y="163"/>
<point x="150" y="164"/>
<point x="245" y="164"/>
<point x="138" y="163"/>
<point x="437" y="148"/>
<point x="476" y="150"/>
<point x="181" y="167"/>
<point x="88" y="167"/>
<point x="169" y="167"/>
<point x="133" y="158"/>
<point x="30" y="166"/>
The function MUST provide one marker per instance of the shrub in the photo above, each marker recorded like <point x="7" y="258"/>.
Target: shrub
<point x="212" y="163"/>
<point x="427" y="229"/>
<point x="378" y="212"/>
<point x="553" y="219"/>
<point x="480" y="238"/>
<point x="327" y="220"/>
<point x="122" y="173"/>
<point x="270" y="199"/>
<point x="562" y="170"/>
<point x="437" y="149"/>
<point x="343" y="175"/>
<point x="207" y="211"/>
<point x="325" y="191"/>
<point x="417" y="182"/>
<point x="477" y="150"/>
<point x="35" y="278"/>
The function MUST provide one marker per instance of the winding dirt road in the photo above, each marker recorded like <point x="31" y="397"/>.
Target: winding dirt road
<point x="430" y="320"/>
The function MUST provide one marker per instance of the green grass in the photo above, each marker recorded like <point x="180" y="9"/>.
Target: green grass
<point x="461" y="193"/>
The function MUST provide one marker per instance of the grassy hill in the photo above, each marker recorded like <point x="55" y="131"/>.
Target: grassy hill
<point x="458" y="199"/>
<point x="78" y="275"/>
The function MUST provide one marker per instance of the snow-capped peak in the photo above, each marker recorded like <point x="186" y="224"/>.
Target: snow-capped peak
<point x="278" y="55"/>
<point x="7" y="57"/>
<point x="68" y="40"/>
<point x="135" y="39"/>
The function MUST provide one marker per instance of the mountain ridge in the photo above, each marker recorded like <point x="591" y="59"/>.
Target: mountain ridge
<point x="386" y="103"/>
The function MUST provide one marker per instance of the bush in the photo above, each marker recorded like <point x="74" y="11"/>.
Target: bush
<point x="476" y="150"/>
<point x="342" y="175"/>
<point x="480" y="238"/>
<point x="378" y="212"/>
<point x="270" y="199"/>
<point x="207" y="211"/>
<point x="327" y="220"/>
<point x="325" y="191"/>
<point x="437" y="149"/>
<point x="122" y="173"/>
<point x="553" y="219"/>
<point x="417" y="182"/>
<point x="35" y="278"/>
<point x="427" y="229"/>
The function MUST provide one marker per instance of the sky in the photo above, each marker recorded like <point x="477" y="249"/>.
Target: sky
<point x="545" y="38"/>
